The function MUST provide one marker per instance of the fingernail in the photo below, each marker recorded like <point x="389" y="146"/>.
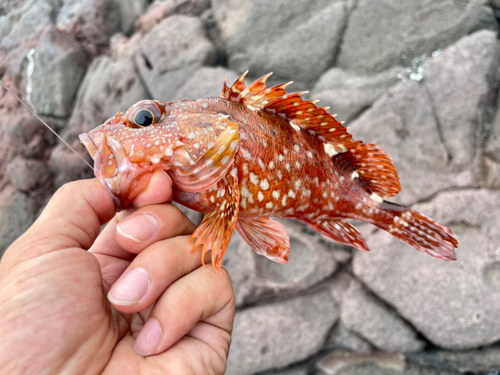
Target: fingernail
<point x="149" y="338"/>
<point x="138" y="228"/>
<point x="130" y="288"/>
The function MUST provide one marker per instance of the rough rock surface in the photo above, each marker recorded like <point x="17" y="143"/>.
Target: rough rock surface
<point x="365" y="315"/>
<point x="343" y="338"/>
<point x="206" y="82"/>
<point x="255" y="277"/>
<point x="485" y="360"/>
<point x="59" y="65"/>
<point x="430" y="152"/>
<point x="426" y="285"/>
<point x="376" y="363"/>
<point x="348" y="94"/>
<point x="171" y="53"/>
<point x="273" y="36"/>
<point x="277" y="334"/>
<point x="410" y="28"/>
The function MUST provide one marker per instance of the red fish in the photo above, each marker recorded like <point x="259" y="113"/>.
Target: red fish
<point x="256" y="153"/>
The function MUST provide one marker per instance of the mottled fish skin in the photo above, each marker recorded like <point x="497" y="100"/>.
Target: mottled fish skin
<point x="256" y="153"/>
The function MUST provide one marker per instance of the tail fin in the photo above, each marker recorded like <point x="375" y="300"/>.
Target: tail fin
<point x="418" y="231"/>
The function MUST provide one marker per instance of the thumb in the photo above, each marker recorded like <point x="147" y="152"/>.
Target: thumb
<point x="72" y="218"/>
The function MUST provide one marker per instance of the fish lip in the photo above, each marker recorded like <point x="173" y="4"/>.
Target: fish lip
<point x="113" y="183"/>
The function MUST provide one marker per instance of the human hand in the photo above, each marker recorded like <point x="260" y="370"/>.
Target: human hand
<point x="165" y="314"/>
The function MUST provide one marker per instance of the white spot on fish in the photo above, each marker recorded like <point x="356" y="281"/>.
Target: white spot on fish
<point x="225" y="159"/>
<point x="309" y="154"/>
<point x="376" y="198"/>
<point x="297" y="148"/>
<point x="271" y="165"/>
<point x="279" y="174"/>
<point x="291" y="194"/>
<point x="212" y="199"/>
<point x="329" y="149"/>
<point x="354" y="175"/>
<point x="269" y="205"/>
<point x="264" y="184"/>
<point x="260" y="196"/>
<point x="244" y="192"/>
<point x="233" y="145"/>
<point x="245" y="153"/>
<point x="254" y="179"/>
<point x="287" y="166"/>
<point x="243" y="203"/>
<point x="281" y="157"/>
<point x="283" y="201"/>
<point x="276" y="194"/>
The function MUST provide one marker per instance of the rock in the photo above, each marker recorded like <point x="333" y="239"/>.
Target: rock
<point x="206" y="82"/>
<point x="26" y="174"/>
<point x="159" y="10"/>
<point x="486" y="360"/>
<point x="348" y="94"/>
<point x="16" y="215"/>
<point x="376" y="363"/>
<point x="67" y="166"/>
<point x="123" y="48"/>
<point x="365" y="315"/>
<point x="171" y="53"/>
<point x="107" y="88"/>
<point x="92" y="22"/>
<point x="59" y="65"/>
<point x="402" y="122"/>
<point x="129" y="11"/>
<point x="468" y="63"/>
<point x="301" y="370"/>
<point x="278" y="334"/>
<point x="32" y="137"/>
<point x="297" y="42"/>
<point x="411" y="29"/>
<point x="343" y="338"/>
<point x="492" y="146"/>
<point x="453" y="304"/>
<point x="255" y="277"/>
<point x="25" y="22"/>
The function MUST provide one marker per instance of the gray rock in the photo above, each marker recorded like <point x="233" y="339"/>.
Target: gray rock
<point x="206" y="82"/>
<point x="365" y="315"/>
<point x="301" y="370"/>
<point x="32" y="137"/>
<point x="107" y="88"/>
<point x="492" y="145"/>
<point x="376" y="363"/>
<point x="453" y="304"/>
<point x="474" y="361"/>
<point x="171" y="53"/>
<point x="160" y="9"/>
<point x="129" y="11"/>
<point x="16" y="215"/>
<point x="255" y="277"/>
<point x="59" y="65"/>
<point x="278" y="334"/>
<point x="348" y="94"/>
<point x="297" y="42"/>
<point x="467" y="63"/>
<point x="25" y="22"/>
<point x="67" y="166"/>
<point x="339" y="361"/>
<point x="409" y="29"/>
<point x="26" y="174"/>
<point x="342" y="338"/>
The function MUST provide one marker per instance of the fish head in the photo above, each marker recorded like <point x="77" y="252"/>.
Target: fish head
<point x="129" y="147"/>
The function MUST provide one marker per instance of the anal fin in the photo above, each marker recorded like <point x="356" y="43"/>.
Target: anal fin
<point x="266" y="237"/>
<point x="216" y="229"/>
<point x="340" y="231"/>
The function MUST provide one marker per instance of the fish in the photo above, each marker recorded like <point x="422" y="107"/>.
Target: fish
<point x="257" y="153"/>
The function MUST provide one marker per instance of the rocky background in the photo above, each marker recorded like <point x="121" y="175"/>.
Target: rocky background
<point x="419" y="77"/>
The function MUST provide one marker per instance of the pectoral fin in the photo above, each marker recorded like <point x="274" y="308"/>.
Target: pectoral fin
<point x="265" y="237"/>
<point x="216" y="229"/>
<point x="214" y="164"/>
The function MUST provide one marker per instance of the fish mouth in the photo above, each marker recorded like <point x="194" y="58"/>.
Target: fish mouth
<point x="123" y="179"/>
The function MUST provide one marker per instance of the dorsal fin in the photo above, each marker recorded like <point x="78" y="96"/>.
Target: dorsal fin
<point x="372" y="164"/>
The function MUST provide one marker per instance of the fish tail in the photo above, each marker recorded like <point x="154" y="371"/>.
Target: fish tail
<point x="418" y="231"/>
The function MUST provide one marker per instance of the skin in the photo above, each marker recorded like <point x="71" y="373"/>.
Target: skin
<point x="68" y="302"/>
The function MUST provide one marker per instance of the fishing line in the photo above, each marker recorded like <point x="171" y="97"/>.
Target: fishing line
<point x="43" y="122"/>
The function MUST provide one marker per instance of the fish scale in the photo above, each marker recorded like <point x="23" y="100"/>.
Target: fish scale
<point x="256" y="153"/>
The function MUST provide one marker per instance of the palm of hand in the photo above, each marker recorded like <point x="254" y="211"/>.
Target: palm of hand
<point x="56" y="315"/>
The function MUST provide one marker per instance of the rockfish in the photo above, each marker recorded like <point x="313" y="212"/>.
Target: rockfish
<point x="255" y="153"/>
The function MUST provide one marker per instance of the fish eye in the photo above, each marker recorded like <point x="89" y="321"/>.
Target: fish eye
<point x="144" y="113"/>
<point x="144" y="117"/>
